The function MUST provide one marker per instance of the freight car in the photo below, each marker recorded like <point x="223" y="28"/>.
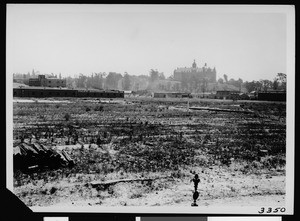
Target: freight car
<point x="58" y="92"/>
<point x="272" y="96"/>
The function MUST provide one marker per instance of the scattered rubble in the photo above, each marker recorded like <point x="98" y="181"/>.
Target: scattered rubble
<point x="32" y="156"/>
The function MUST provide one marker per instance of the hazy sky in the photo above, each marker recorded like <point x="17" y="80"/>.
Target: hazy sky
<point x="73" y="39"/>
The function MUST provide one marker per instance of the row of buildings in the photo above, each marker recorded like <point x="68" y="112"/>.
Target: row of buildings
<point x="56" y="87"/>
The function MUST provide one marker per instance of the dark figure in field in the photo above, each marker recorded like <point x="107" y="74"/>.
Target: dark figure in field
<point x="196" y="180"/>
<point x="195" y="197"/>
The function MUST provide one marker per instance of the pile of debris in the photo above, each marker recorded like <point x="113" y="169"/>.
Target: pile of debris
<point x="29" y="156"/>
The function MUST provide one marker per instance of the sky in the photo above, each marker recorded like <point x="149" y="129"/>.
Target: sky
<point x="248" y="42"/>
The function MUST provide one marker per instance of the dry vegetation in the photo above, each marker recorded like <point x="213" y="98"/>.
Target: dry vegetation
<point x="234" y="154"/>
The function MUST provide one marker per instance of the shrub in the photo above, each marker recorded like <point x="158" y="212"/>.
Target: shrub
<point x="53" y="190"/>
<point x="67" y="116"/>
<point x="98" y="108"/>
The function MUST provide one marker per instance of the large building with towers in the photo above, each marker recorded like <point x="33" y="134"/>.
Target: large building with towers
<point x="201" y="73"/>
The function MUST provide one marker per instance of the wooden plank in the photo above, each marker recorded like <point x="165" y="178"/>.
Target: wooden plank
<point x="223" y="110"/>
<point x="113" y="182"/>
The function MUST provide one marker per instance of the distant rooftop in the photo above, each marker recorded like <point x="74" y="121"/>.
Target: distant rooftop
<point x="18" y="85"/>
<point x="38" y="87"/>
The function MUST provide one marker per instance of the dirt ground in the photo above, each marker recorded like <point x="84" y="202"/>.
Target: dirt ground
<point x="240" y="158"/>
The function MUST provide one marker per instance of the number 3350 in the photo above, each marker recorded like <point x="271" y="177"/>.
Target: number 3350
<point x="271" y="210"/>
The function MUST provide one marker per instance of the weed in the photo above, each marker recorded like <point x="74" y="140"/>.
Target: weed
<point x="98" y="108"/>
<point x="53" y="190"/>
<point x="67" y="116"/>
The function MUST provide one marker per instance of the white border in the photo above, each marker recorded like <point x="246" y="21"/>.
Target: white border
<point x="290" y="111"/>
<point x="243" y="218"/>
<point x="289" y="10"/>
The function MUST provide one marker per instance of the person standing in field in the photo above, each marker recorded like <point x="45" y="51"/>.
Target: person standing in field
<point x="196" y="180"/>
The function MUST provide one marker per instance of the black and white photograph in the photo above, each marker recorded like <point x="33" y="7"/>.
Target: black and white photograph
<point x="151" y="108"/>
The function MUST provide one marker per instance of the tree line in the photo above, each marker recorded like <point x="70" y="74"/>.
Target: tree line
<point x="156" y="81"/>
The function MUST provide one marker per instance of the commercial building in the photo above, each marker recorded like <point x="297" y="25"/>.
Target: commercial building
<point x="42" y="81"/>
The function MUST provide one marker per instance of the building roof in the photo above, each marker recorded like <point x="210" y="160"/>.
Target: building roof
<point x="60" y="79"/>
<point x="96" y="90"/>
<point x="189" y="69"/>
<point x="194" y="68"/>
<point x="19" y="85"/>
<point x="42" y="88"/>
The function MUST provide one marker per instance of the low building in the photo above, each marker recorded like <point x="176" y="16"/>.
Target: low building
<point x="128" y="93"/>
<point x="208" y="95"/>
<point x="226" y="94"/>
<point x="252" y="95"/>
<point x="42" y="81"/>
<point x="21" y="80"/>
<point x="243" y="96"/>
<point x="171" y="95"/>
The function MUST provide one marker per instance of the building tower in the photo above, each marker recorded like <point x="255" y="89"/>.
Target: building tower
<point x="194" y="65"/>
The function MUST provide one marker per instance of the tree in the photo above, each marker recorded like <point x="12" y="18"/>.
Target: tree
<point x="112" y="80"/>
<point x="81" y="81"/>
<point x="225" y="78"/>
<point x="126" y="82"/>
<point x="275" y="84"/>
<point x="250" y="86"/>
<point x="281" y="78"/>
<point x="266" y="84"/>
<point x="240" y="83"/>
<point x="220" y="81"/>
<point x="171" y="77"/>
<point x="176" y="87"/>
<point x="204" y="85"/>
<point x="161" y="76"/>
<point x="154" y="75"/>
<point x="168" y="86"/>
<point x="232" y="82"/>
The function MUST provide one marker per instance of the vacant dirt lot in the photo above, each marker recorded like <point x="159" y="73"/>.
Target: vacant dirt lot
<point x="158" y="146"/>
